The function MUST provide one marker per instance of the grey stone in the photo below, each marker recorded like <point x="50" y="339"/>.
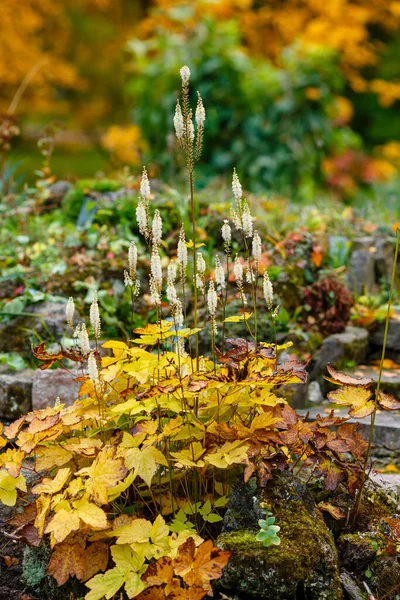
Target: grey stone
<point x="15" y="393"/>
<point x="382" y="251"/>
<point x="58" y="190"/>
<point x="361" y="274"/>
<point x="306" y="560"/>
<point x="48" y="321"/>
<point x="393" y="337"/>
<point x="339" y="348"/>
<point x="48" y="385"/>
<point x="294" y="393"/>
<point x="386" y="430"/>
<point x="314" y="393"/>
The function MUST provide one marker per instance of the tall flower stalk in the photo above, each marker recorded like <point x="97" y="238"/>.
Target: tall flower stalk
<point x="190" y="138"/>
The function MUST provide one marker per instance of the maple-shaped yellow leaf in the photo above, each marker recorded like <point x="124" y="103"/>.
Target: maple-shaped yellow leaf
<point x="54" y="456"/>
<point x="67" y="560"/>
<point x="238" y="318"/>
<point x="141" y="365"/>
<point x="90" y="513"/>
<point x="11" y="460"/>
<point x="230" y="453"/>
<point x="134" y="584"/>
<point x="52" y="486"/>
<point x="61" y="525"/>
<point x="159" y="538"/>
<point x="105" y="585"/>
<point x="358" y="398"/>
<point x="264" y="421"/>
<point x="9" y="486"/>
<point x="190" y="456"/>
<point x="145" y="462"/>
<point x="126" y="558"/>
<point x="138" y="531"/>
<point x="115" y="491"/>
<point x="186" y="332"/>
<point x="105" y="472"/>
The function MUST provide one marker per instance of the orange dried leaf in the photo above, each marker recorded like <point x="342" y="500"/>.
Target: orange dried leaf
<point x="343" y="379"/>
<point x="388" y="402"/>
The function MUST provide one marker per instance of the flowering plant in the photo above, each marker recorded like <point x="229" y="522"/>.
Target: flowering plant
<point x="136" y="474"/>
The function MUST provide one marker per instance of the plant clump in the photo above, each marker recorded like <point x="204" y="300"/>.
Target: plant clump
<point x="135" y="476"/>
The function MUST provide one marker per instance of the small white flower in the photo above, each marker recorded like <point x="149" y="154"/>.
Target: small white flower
<point x="154" y="292"/>
<point x="145" y="185"/>
<point x="236" y="187"/>
<point x="212" y="299"/>
<point x="84" y="339"/>
<point x="268" y="290"/>
<point x="157" y="228"/>
<point x="178" y="122"/>
<point x="141" y="217"/>
<point x="171" y="271"/>
<point x="94" y="316"/>
<point x="275" y="312"/>
<point x="77" y="331"/>
<point x="199" y="283"/>
<point x="172" y="295"/>
<point x="69" y="311"/>
<point x="226" y="232"/>
<point x="92" y="368"/>
<point x="177" y="314"/>
<point x="182" y="253"/>
<point x="249" y="275"/>
<point x="236" y="218"/>
<point x="247" y="221"/>
<point x="201" y="264"/>
<point x="128" y="281"/>
<point x="155" y="268"/>
<point x="185" y="74"/>
<point x="190" y="128"/>
<point x="136" y="287"/>
<point x="200" y="112"/>
<point x="219" y="273"/>
<point x="238" y="271"/>
<point x="256" y="247"/>
<point x="132" y="260"/>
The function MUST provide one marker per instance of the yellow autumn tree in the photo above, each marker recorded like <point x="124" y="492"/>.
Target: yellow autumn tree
<point x="267" y="27"/>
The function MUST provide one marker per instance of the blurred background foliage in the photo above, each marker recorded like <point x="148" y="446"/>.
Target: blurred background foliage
<point x="300" y="94"/>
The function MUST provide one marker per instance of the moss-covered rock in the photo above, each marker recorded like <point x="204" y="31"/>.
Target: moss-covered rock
<point x="357" y="550"/>
<point x="305" y="565"/>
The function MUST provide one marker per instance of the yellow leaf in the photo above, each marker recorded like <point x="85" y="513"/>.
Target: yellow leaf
<point x="184" y="333"/>
<point x="115" y="345"/>
<point x="55" y="456"/>
<point x="358" y="398"/>
<point x="134" y="584"/>
<point x="138" y="531"/>
<point x="126" y="559"/>
<point x="91" y="514"/>
<point x="144" y="462"/>
<point x="105" y="585"/>
<point x="117" y="490"/>
<point x="230" y="453"/>
<point x="52" y="486"/>
<point x="190" y="456"/>
<point x="62" y="524"/>
<point x="9" y="486"/>
<point x="42" y="508"/>
<point x="105" y="472"/>
<point x="237" y="318"/>
<point x="159" y="537"/>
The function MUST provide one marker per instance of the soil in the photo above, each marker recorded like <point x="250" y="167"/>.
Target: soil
<point x="11" y="585"/>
